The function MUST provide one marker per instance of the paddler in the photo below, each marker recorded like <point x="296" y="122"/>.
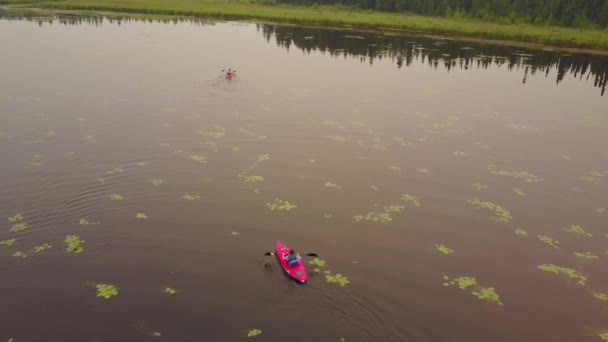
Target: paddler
<point x="291" y="258"/>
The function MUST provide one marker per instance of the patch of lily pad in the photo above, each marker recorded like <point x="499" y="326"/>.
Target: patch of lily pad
<point x="549" y="241"/>
<point x="141" y="216"/>
<point x="254" y="332"/>
<point x="15" y="218"/>
<point x="250" y="178"/>
<point x="408" y="198"/>
<point x="520" y="232"/>
<point x="106" y="291"/>
<point x="519" y="192"/>
<point x="601" y="296"/>
<point x="337" y="278"/>
<point x="519" y="175"/>
<point x="565" y="271"/>
<point x="576" y="229"/>
<point x="198" y="158"/>
<point x="19" y="254"/>
<point x="280" y="205"/>
<point x="41" y="248"/>
<point x="487" y="294"/>
<point x="74" y="244"/>
<point x="479" y="186"/>
<point x="500" y="213"/>
<point x="117" y="197"/>
<point x="443" y="249"/>
<point x="586" y="255"/>
<point x="157" y="182"/>
<point x="17" y="227"/>
<point x="8" y="242"/>
<point x="190" y="197"/>
<point x="331" y="185"/>
<point x="170" y="291"/>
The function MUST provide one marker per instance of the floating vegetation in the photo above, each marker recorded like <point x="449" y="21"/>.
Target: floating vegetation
<point x="375" y="188"/>
<point x="576" y="229"/>
<point x="263" y="157"/>
<point x="19" y="254"/>
<point x="443" y="249"/>
<point x="603" y="335"/>
<point x="216" y="134"/>
<point x="586" y="255"/>
<point x="520" y="232"/>
<point x="15" y="218"/>
<point x="549" y="241"/>
<point x="411" y="199"/>
<point x="522" y="175"/>
<point x="280" y="205"/>
<point x="342" y="339"/>
<point x="374" y="217"/>
<point x="332" y="185"/>
<point x="8" y="242"/>
<point x="391" y="208"/>
<point x="338" y="138"/>
<point x="317" y="262"/>
<point x="250" y="178"/>
<point x="36" y="163"/>
<point x="141" y="216"/>
<point x="106" y="290"/>
<point x="254" y="332"/>
<point x="157" y="182"/>
<point x="327" y="215"/>
<point x="170" y="291"/>
<point x="252" y="134"/>
<point x="601" y="296"/>
<point x="568" y="272"/>
<point x="600" y="210"/>
<point x="500" y="214"/>
<point x="235" y="149"/>
<point x="117" y="197"/>
<point x="592" y="177"/>
<point x="394" y="168"/>
<point x="41" y="248"/>
<point x="115" y="171"/>
<point x="470" y="283"/>
<point x="337" y="279"/>
<point x="190" y="197"/>
<point x="525" y="128"/>
<point x="425" y="171"/>
<point x="480" y="187"/>
<point x="198" y="158"/>
<point x="141" y="164"/>
<point x="74" y="244"/>
<point x="460" y="153"/>
<point x="17" y="227"/>
<point x="234" y="233"/>
<point x="519" y="192"/>
<point x="157" y="334"/>
<point x="85" y="222"/>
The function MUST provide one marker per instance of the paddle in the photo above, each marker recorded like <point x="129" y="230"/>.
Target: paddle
<point x="308" y="254"/>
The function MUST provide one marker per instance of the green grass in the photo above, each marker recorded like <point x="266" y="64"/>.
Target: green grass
<point x="342" y="16"/>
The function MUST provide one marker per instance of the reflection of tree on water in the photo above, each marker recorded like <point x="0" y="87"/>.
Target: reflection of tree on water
<point x="449" y="54"/>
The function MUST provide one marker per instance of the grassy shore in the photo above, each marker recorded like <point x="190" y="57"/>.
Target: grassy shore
<point x="340" y="16"/>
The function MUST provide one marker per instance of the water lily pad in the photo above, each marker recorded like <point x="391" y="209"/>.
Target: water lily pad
<point x="410" y="199"/>
<point x="600" y="210"/>
<point x="141" y="216"/>
<point x="190" y="197"/>
<point x="549" y="241"/>
<point x="374" y="188"/>
<point x="234" y="233"/>
<point x="519" y="175"/>
<point x="19" y="254"/>
<point x="117" y="197"/>
<point x="106" y="290"/>
<point x="500" y="214"/>
<point x="586" y="255"/>
<point x="519" y="192"/>
<point x="280" y="205"/>
<point x="521" y="232"/>
<point x="235" y="149"/>
<point x="394" y="168"/>
<point x="17" y="227"/>
<point x="115" y="170"/>
<point x="250" y="178"/>
<point x="74" y="244"/>
<point x="170" y="291"/>
<point x="263" y="157"/>
<point x="331" y="185"/>
<point x="421" y="170"/>
<point x="444" y="249"/>
<point x="338" y="279"/>
<point x="317" y="262"/>
<point x="254" y="332"/>
<point x="601" y="296"/>
<point x="41" y="248"/>
<point x="15" y="218"/>
<point x="157" y="182"/>
<point x="8" y="242"/>
<point x="568" y="272"/>
<point x="198" y="158"/>
<point x="487" y="294"/>
<point x="83" y="221"/>
<point x="157" y="334"/>
<point x="576" y="229"/>
<point x="383" y="217"/>
<point x="480" y="187"/>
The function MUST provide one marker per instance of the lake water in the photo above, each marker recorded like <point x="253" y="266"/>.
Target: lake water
<point x="414" y="164"/>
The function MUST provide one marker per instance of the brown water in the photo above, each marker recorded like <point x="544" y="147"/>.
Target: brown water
<point x="87" y="111"/>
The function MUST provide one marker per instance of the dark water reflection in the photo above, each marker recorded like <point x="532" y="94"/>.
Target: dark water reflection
<point x="449" y="54"/>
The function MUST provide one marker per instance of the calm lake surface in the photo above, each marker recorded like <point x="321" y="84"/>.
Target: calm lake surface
<point x="459" y="188"/>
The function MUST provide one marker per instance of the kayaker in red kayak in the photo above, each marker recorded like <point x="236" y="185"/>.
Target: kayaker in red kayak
<point x="292" y="259"/>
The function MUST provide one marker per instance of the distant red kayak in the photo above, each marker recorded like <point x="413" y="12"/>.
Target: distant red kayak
<point x="297" y="272"/>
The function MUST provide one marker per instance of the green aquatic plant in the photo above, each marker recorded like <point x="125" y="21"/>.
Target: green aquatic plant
<point x="327" y="215"/>
<point x="280" y="205"/>
<point x="190" y="197"/>
<point x="157" y="334"/>
<point x="115" y="171"/>
<point x="568" y="272"/>
<point x="317" y="262"/>
<point x="524" y="128"/>
<point x="141" y="164"/>
<point x="215" y="134"/>
<point x="601" y="296"/>
<point x="500" y="214"/>
<point x="19" y="254"/>
<point x="519" y="192"/>
<point x="257" y="191"/>
<point x="15" y="218"/>
<point x="520" y="175"/>
<point x="117" y="197"/>
<point x="331" y="185"/>
<point x="41" y="248"/>
<point x="411" y="199"/>
<point x="263" y="157"/>
<point x="375" y="188"/>
<point x="141" y="216"/>
<point x="374" y="217"/>
<point x="250" y="178"/>
<point x="600" y="210"/>
<point x="520" y="232"/>
<point x="106" y="290"/>
<point x="234" y="233"/>
<point x="586" y="255"/>
<point x="338" y="138"/>
<point x="576" y="229"/>
<point x="549" y="241"/>
<point x="198" y="158"/>
<point x="337" y="279"/>
<point x="443" y="249"/>
<point x="74" y="244"/>
<point x="460" y="153"/>
<point x="394" y="168"/>
<point x="17" y="227"/>
<point x="36" y="163"/>
<point x="8" y="242"/>
<point x="420" y="170"/>
<point x="157" y="182"/>
<point x="170" y="291"/>
<point x="480" y="187"/>
<point x="487" y="294"/>
<point x="254" y="332"/>
<point x="392" y="208"/>
<point x="85" y="222"/>
<point x="603" y="335"/>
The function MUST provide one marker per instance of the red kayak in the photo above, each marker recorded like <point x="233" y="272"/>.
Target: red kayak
<point x="297" y="272"/>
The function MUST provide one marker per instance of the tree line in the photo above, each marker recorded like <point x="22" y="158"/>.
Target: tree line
<point x="573" y="13"/>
